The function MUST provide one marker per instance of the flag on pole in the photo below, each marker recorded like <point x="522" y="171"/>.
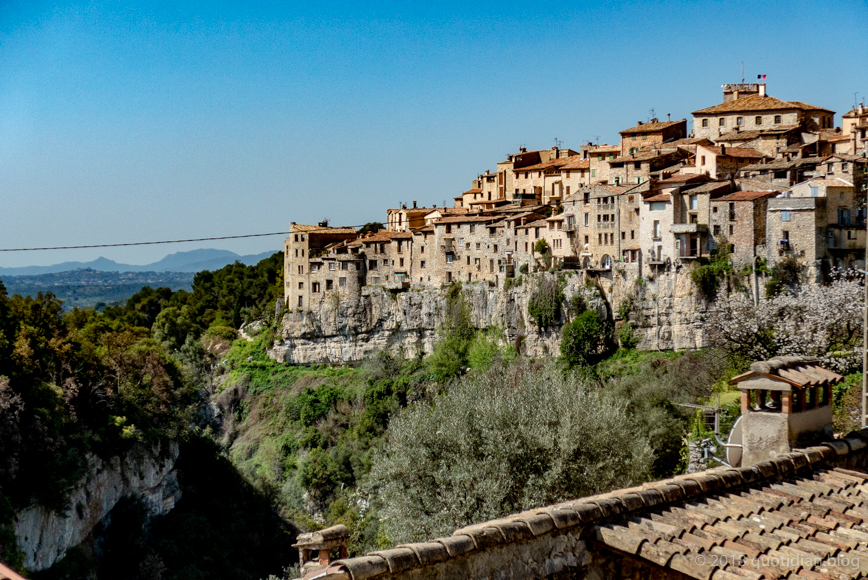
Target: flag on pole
<point x="761" y="76"/>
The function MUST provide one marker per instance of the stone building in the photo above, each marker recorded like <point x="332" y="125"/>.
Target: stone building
<point x="771" y="142"/>
<point x="575" y="173"/>
<point x="651" y="135"/>
<point x="740" y="219"/>
<point x="639" y="167"/>
<point x="543" y="182"/>
<point x="469" y="249"/>
<point x="388" y="258"/>
<point x="747" y="107"/>
<point x="722" y="162"/>
<point x="404" y="219"/>
<point x="783" y="173"/>
<point x="854" y="123"/>
<point x="307" y="275"/>
<point x="598" y="157"/>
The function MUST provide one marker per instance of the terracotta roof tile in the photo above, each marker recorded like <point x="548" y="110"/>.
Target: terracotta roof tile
<point x="320" y="229"/>
<point x="757" y="103"/>
<point x="652" y="127"/>
<point x="741" y="152"/>
<point x="755" y="134"/>
<point x="576" y="162"/>
<point x="550" y="164"/>
<point x="745" y="196"/>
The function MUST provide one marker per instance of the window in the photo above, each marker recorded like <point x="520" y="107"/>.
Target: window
<point x="422" y="264"/>
<point x="375" y="280"/>
<point x="702" y="159"/>
<point x="758" y="120"/>
<point x="593" y="173"/>
<point x="739" y="121"/>
<point x="637" y="165"/>
<point x="657" y="205"/>
<point x="777" y="119"/>
<point x="694" y="202"/>
<point x="731" y="229"/>
<point x="478" y="245"/>
<point x="843" y="216"/>
<point x="721" y="122"/>
<point x="716" y="230"/>
<point x="815" y="191"/>
<point x="296" y="237"/>
<point x="705" y="122"/>
<point x="460" y="241"/>
<point x="300" y="298"/>
<point x="301" y="269"/>
<point x="448" y="228"/>
<point x="301" y="285"/>
<point x="468" y="260"/>
<point x="386" y="263"/>
<point x="449" y="258"/>
<point x="785" y="216"/>
<point x="345" y="265"/>
<point x="331" y="266"/>
<point x="623" y="235"/>
<point x="330" y="285"/>
<point x="472" y="228"/>
<point x="372" y="264"/>
<point x="342" y="282"/>
<point x="656" y="229"/>
<point x="786" y="235"/>
<point x="315" y="287"/>
<point x="402" y="263"/>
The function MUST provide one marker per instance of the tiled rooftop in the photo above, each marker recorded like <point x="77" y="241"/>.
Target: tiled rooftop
<point x="757" y="103"/>
<point x="746" y="195"/>
<point x="320" y="229"/>
<point x="799" y="527"/>
<point x="651" y="127"/>
<point x="743" y="152"/>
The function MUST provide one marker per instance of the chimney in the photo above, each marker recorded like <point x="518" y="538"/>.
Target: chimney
<point x="722" y="149"/>
<point x="735" y="95"/>
<point x="762" y="89"/>
<point x="654" y="120"/>
<point x="641" y="123"/>
<point x="861" y="109"/>
<point x="785" y="405"/>
<point x="414" y="204"/>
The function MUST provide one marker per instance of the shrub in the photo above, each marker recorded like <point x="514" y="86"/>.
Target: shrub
<point x="577" y="304"/>
<point x="584" y="340"/>
<point x="541" y="247"/>
<point x="482" y="452"/>
<point x="627" y="336"/>
<point x="545" y="302"/>
<point x="450" y="355"/>
<point x="523" y="269"/>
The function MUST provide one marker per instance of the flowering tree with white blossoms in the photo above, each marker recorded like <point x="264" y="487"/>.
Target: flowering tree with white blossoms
<point x="815" y="321"/>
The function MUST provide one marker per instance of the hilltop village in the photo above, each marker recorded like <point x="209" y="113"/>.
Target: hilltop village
<point x="771" y="179"/>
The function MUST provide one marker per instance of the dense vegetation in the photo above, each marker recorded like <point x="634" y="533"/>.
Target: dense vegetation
<point x="396" y="449"/>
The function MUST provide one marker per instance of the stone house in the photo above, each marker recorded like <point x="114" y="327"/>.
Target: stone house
<point x="388" y="258"/>
<point x="469" y="249"/>
<point x="854" y="123"/>
<point x="740" y="219"/>
<point x="404" y="219"/>
<point x="782" y="173"/>
<point x="635" y="168"/>
<point x="722" y="162"/>
<point x="771" y="142"/>
<point x="543" y="182"/>
<point x="558" y="238"/>
<point x="527" y="236"/>
<point x="600" y="242"/>
<point x="629" y="209"/>
<point x="651" y="135"/>
<point x="576" y="173"/>
<point x="466" y="198"/>
<point x="437" y="213"/>
<point x="598" y="157"/>
<point x="307" y="273"/>
<point x="850" y="168"/>
<point x="747" y="107"/>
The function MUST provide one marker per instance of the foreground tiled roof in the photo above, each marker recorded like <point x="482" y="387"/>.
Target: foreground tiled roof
<point x="757" y="103"/>
<point x="576" y="162"/>
<point x="799" y="516"/>
<point x="750" y="135"/>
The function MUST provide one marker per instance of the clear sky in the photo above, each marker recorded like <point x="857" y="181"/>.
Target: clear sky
<point x="137" y="121"/>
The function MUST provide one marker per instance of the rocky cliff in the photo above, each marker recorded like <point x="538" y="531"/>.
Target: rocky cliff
<point x="44" y="536"/>
<point x="666" y="313"/>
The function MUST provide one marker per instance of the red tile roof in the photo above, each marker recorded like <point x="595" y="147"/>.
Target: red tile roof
<point x="757" y="103"/>
<point x="466" y="219"/>
<point x="576" y="162"/>
<point x="652" y="127"/>
<point x="746" y="196"/>
<point x="745" y="152"/>
<point x="550" y="164"/>
<point x="658" y="197"/>
<point x="474" y="190"/>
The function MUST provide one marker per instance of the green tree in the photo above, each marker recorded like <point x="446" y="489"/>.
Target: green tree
<point x="584" y="340"/>
<point x="481" y="451"/>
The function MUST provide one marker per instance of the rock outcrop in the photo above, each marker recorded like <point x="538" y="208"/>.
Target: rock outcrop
<point x="666" y="314"/>
<point x="44" y="536"/>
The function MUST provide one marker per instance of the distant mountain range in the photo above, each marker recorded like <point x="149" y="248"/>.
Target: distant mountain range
<point x="192" y="261"/>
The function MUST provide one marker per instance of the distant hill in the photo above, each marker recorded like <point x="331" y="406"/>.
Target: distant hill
<point x="191" y="261"/>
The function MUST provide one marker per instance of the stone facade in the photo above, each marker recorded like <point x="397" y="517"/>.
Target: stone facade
<point x="740" y="219"/>
<point x="650" y="135"/>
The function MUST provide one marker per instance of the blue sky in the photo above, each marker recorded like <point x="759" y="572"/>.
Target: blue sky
<point x="137" y="121"/>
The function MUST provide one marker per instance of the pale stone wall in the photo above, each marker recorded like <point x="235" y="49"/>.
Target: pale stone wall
<point x="714" y="129"/>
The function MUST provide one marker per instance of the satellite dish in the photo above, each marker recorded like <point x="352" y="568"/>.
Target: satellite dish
<point x="734" y="444"/>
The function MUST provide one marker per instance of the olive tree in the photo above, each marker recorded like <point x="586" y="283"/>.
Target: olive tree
<point x="495" y="443"/>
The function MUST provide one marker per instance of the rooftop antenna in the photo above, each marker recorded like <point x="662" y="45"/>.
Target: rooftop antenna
<point x="558" y="143"/>
<point x="855" y="100"/>
<point x="742" y="72"/>
<point x="597" y="139"/>
<point x="651" y="112"/>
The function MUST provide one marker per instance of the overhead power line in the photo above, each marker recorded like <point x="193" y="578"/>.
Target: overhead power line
<point x="307" y="231"/>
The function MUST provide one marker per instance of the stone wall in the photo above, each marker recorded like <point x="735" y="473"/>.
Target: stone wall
<point x="44" y="536"/>
<point x="667" y="314"/>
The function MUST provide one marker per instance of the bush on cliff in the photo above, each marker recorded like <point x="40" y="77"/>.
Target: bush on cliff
<point x="585" y="340"/>
<point x="545" y="302"/>
<point x="496" y="443"/>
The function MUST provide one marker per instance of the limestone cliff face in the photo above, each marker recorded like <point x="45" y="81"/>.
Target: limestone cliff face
<point x="667" y="314"/>
<point x="44" y="536"/>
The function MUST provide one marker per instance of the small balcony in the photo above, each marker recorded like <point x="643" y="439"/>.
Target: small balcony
<point x="571" y="228"/>
<point x="689" y="228"/>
